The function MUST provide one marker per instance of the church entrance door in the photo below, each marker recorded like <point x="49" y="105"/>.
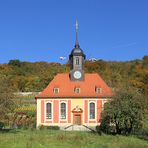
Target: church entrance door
<point x="77" y="115"/>
<point x="77" y="119"/>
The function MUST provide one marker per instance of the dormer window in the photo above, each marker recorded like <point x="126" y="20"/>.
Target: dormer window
<point x="56" y="90"/>
<point x="77" y="90"/>
<point x="98" y="90"/>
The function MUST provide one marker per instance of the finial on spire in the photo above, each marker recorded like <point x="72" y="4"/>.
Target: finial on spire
<point x="77" y="26"/>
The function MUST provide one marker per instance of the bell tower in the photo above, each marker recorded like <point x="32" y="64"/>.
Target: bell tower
<point x="76" y="59"/>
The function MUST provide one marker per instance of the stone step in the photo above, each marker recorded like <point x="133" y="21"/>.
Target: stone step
<point x="76" y="128"/>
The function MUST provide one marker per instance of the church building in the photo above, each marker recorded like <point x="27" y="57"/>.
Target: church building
<point x="74" y="98"/>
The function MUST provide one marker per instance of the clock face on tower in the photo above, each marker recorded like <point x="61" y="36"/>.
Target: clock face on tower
<point x="77" y="74"/>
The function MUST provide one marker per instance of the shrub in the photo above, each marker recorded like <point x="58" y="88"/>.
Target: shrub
<point x="143" y="134"/>
<point x="41" y="127"/>
<point x="53" y="127"/>
<point x="98" y="129"/>
<point x="19" y="126"/>
<point x="2" y="125"/>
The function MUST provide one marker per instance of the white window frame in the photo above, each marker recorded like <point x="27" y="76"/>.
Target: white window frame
<point x="60" y="119"/>
<point x="45" y="107"/>
<point x="95" y="110"/>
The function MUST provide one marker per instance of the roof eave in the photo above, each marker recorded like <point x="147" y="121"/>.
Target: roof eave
<point x="47" y="97"/>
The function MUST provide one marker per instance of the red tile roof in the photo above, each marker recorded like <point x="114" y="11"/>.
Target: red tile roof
<point x="67" y="87"/>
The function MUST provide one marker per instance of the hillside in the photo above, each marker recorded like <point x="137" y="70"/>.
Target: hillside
<point x="27" y="76"/>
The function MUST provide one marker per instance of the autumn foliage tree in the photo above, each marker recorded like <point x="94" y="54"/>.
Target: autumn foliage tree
<point x="27" y="76"/>
<point x="7" y="103"/>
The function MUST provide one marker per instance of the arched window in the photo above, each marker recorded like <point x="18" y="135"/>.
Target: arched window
<point x="48" y="111"/>
<point x="77" y="61"/>
<point x="92" y="110"/>
<point x="63" y="110"/>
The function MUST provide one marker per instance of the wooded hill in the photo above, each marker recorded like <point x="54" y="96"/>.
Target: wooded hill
<point x="34" y="77"/>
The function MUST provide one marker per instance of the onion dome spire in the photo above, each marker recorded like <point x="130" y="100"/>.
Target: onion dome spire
<point x="76" y="51"/>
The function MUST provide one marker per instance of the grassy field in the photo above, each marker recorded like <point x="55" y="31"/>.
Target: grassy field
<point x="61" y="139"/>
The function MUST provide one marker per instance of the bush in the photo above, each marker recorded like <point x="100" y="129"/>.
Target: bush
<point x="143" y="134"/>
<point x="98" y="129"/>
<point x="19" y="126"/>
<point x="53" y="127"/>
<point x="2" y="125"/>
<point x="41" y="127"/>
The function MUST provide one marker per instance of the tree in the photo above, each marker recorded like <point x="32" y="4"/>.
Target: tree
<point x="6" y="98"/>
<point x="145" y="61"/>
<point x="16" y="63"/>
<point x="125" y="112"/>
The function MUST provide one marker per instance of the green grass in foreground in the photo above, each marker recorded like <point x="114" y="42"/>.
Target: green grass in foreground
<point x="61" y="139"/>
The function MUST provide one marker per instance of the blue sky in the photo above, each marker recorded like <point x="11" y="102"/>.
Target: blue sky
<point x="44" y="30"/>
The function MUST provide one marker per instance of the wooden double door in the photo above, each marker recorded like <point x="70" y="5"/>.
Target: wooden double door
<point x="77" y="119"/>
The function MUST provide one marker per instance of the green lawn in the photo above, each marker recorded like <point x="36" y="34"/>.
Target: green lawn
<point x="61" y="139"/>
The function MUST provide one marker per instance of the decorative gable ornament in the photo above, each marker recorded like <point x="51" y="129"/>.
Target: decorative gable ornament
<point x="77" y="109"/>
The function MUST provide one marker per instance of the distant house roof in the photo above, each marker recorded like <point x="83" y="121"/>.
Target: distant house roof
<point x="66" y="87"/>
